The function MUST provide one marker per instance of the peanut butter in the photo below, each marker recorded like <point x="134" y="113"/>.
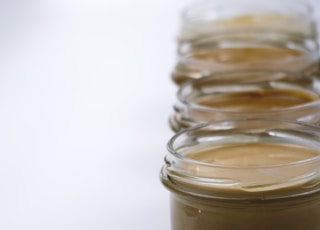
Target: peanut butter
<point x="261" y="178"/>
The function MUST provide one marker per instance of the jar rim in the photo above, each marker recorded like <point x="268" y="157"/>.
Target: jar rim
<point x="190" y="104"/>
<point x="172" y="150"/>
<point x="224" y="181"/>
<point x="306" y="52"/>
<point x="302" y="8"/>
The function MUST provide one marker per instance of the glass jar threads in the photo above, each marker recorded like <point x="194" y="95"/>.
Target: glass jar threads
<point x="226" y="35"/>
<point x="247" y="94"/>
<point x="236" y="50"/>
<point x="244" y="174"/>
<point x="220" y="16"/>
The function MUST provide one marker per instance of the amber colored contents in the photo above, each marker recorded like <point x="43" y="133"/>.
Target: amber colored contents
<point x="190" y="212"/>
<point x="225" y="102"/>
<point x="248" y="54"/>
<point x="264" y="99"/>
<point x="262" y="20"/>
<point x="198" y="62"/>
<point x="300" y="213"/>
<point x="252" y="154"/>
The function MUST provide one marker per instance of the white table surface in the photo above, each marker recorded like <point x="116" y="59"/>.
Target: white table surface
<point x="85" y="95"/>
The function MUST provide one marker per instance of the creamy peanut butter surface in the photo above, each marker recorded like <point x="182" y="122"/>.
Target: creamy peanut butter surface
<point x="254" y="168"/>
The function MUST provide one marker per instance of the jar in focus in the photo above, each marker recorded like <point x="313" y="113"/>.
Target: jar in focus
<point x="244" y="174"/>
<point x="245" y="49"/>
<point x="247" y="94"/>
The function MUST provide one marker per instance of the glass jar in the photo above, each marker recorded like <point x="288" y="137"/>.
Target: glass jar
<point x="248" y="94"/>
<point x="221" y="16"/>
<point x="244" y="174"/>
<point x="245" y="49"/>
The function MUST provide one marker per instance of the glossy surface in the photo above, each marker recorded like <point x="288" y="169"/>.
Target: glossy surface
<point x="244" y="174"/>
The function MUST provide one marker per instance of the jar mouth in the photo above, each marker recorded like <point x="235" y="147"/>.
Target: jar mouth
<point x="251" y="82"/>
<point x="260" y="167"/>
<point x="207" y="65"/>
<point x="294" y="17"/>
<point x="171" y="149"/>
<point x="265" y="112"/>
<point x="240" y="39"/>
<point x="202" y="9"/>
<point x="200" y="178"/>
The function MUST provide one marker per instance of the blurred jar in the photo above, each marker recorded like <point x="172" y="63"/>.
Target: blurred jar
<point x="252" y="49"/>
<point x="245" y="175"/>
<point x="247" y="94"/>
<point x="205" y="17"/>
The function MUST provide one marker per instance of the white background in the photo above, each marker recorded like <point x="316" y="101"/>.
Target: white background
<point x="85" y="95"/>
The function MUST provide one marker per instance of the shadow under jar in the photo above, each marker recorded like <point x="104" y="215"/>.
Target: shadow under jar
<point x="246" y="49"/>
<point x="247" y="94"/>
<point x="244" y="174"/>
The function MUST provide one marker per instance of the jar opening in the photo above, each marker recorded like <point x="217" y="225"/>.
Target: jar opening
<point x="256" y="92"/>
<point x="246" y="156"/>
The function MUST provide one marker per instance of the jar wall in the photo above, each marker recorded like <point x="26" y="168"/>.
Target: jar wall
<point x="203" y="17"/>
<point x="247" y="94"/>
<point x="244" y="34"/>
<point x="218" y="179"/>
<point x="236" y="51"/>
<point x="191" y="213"/>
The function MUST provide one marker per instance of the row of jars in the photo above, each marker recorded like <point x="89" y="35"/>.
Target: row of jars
<point x="235" y="35"/>
<point x="246" y="154"/>
<point x="258" y="59"/>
